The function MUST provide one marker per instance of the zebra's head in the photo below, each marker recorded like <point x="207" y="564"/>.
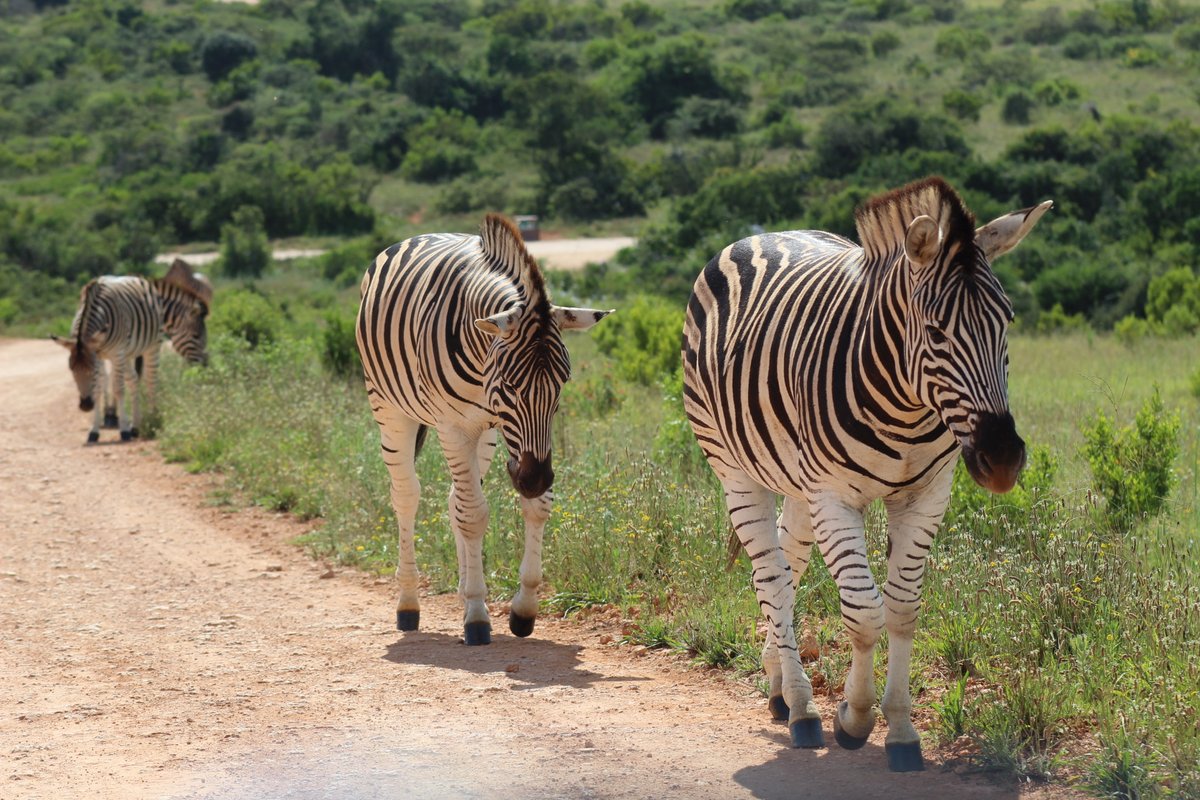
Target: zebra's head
<point x="527" y="362"/>
<point x="527" y="365"/>
<point x="85" y="369"/>
<point x="189" y="333"/>
<point x="957" y="332"/>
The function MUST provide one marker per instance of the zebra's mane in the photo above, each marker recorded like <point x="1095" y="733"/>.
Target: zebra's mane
<point x="505" y="250"/>
<point x="883" y="221"/>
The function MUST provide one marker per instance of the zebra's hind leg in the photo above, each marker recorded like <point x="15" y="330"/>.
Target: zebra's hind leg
<point x="110" y="405"/>
<point x="752" y="512"/>
<point x="469" y="519"/>
<point x="398" y="439"/>
<point x="840" y="535"/>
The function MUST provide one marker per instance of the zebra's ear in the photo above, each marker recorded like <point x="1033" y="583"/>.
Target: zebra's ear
<point x="64" y="342"/>
<point x="577" y="319"/>
<point x="502" y="323"/>
<point x="1004" y="233"/>
<point x="923" y="241"/>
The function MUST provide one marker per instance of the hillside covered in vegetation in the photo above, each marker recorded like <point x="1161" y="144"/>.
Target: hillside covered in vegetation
<point x="129" y="127"/>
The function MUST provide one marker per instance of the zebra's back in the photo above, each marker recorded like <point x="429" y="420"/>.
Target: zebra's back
<point x="121" y="316"/>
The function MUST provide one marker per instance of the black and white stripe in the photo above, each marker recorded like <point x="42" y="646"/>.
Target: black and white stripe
<point x="121" y="320"/>
<point x="457" y="333"/>
<point x="834" y="375"/>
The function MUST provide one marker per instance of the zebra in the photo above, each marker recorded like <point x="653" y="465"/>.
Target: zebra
<point x="834" y="375"/>
<point x="457" y="333"/>
<point x="121" y="320"/>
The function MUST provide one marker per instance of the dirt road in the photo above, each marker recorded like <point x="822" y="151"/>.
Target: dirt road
<point x="156" y="646"/>
<point x="564" y="254"/>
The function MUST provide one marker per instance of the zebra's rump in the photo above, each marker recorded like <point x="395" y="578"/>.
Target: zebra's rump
<point x="119" y="315"/>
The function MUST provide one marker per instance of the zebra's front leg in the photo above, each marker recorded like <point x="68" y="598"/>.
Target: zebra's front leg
<point x="125" y="376"/>
<point x="912" y="522"/>
<point x="469" y="520"/>
<point x="524" y="607"/>
<point x="398" y="441"/>
<point x="110" y="406"/>
<point x="752" y="512"/>
<point x="840" y="535"/>
<point x="796" y="539"/>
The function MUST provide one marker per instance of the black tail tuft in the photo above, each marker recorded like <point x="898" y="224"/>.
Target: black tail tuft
<point x="421" y="433"/>
<point x="137" y="365"/>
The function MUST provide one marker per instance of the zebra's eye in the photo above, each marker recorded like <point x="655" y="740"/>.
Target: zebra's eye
<point x="935" y="334"/>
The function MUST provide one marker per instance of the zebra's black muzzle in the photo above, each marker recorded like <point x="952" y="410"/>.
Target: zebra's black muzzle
<point x="530" y="477"/>
<point x="995" y="454"/>
<point x="86" y="404"/>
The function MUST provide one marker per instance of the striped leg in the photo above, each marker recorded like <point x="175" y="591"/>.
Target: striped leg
<point x="912" y="522"/>
<point x="124" y="380"/>
<point x="752" y="512"/>
<point x="469" y="520"/>
<point x="148" y="377"/>
<point x="398" y="441"/>
<point x="841" y="537"/>
<point x="525" y="603"/>
<point x="110" y="406"/>
<point x="796" y="539"/>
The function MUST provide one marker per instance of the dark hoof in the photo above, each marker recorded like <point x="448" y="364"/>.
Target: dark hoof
<point x="133" y="433"/>
<point x="408" y="620"/>
<point x="905" y="757"/>
<point x="807" y="733"/>
<point x="126" y="436"/>
<point x="111" y="420"/>
<point x="93" y="437"/>
<point x="520" y="626"/>
<point x="779" y="708"/>
<point x="845" y="740"/>
<point x="477" y="633"/>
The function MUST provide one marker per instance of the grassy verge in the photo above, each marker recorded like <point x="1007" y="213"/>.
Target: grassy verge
<point x="1060" y="646"/>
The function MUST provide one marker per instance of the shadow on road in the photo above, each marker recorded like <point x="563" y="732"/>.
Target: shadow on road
<point x="528" y="663"/>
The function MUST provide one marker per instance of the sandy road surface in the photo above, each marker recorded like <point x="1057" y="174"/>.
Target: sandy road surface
<point x="155" y="646"/>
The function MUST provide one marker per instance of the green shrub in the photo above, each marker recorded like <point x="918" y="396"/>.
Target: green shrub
<point x="1018" y="105"/>
<point x="245" y="249"/>
<point x="223" y="51"/>
<point x="246" y="315"/>
<point x="963" y="105"/>
<point x="1173" y="299"/>
<point x="1132" y="467"/>
<point x="1130" y="330"/>
<point x="339" y="350"/>
<point x="1056" y="320"/>
<point x="643" y="339"/>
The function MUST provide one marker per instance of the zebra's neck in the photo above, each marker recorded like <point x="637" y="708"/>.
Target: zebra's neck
<point x="880" y="373"/>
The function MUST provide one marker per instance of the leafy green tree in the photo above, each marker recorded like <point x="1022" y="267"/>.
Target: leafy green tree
<point x="223" y="51"/>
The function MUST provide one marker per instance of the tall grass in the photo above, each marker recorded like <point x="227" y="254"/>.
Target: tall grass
<point x="1058" y="644"/>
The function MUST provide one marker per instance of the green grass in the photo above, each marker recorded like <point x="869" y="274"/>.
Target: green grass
<point x="1061" y="648"/>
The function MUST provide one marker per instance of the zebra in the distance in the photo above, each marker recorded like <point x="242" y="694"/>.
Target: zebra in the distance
<point x="832" y="375"/>
<point x="457" y="333"/>
<point x="121" y="320"/>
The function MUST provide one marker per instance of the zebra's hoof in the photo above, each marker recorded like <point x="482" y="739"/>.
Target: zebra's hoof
<point x="779" y="708"/>
<point x="126" y="436"/>
<point x="110" y="419"/>
<point x="408" y="620"/>
<point x="93" y="437"/>
<point x="519" y="625"/>
<point x="845" y="740"/>
<point x="904" y="757"/>
<point x="477" y="633"/>
<point x="807" y="733"/>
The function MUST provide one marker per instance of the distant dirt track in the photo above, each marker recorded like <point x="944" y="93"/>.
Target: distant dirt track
<point x="156" y="646"/>
<point x="564" y="254"/>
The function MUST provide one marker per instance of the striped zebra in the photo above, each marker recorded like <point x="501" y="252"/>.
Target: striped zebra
<point x="457" y="333"/>
<point x="833" y="375"/>
<point x="121" y="320"/>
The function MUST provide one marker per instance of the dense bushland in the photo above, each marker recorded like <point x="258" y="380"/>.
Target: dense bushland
<point x="124" y="129"/>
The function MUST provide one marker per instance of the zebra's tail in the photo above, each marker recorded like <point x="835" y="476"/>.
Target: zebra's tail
<point x="733" y="549"/>
<point x="421" y="433"/>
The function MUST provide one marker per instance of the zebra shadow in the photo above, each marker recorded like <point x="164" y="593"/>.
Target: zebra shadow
<point x="797" y="774"/>
<point x="528" y="664"/>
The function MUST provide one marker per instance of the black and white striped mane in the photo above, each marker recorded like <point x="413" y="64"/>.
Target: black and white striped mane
<point x="504" y="248"/>
<point x="883" y="221"/>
